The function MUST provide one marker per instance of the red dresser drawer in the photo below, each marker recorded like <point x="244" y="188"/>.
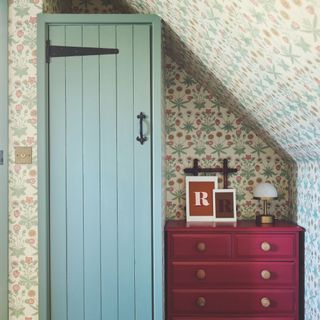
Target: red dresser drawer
<point x="239" y="272"/>
<point x="232" y="274"/>
<point x="206" y="246"/>
<point x="265" y="246"/>
<point x="232" y="302"/>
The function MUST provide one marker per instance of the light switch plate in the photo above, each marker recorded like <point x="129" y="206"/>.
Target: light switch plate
<point x="23" y="155"/>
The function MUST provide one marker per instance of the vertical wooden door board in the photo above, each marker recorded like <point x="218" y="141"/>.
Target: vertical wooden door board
<point x="4" y="166"/>
<point x="109" y="167"/>
<point x="74" y="191"/>
<point x="91" y="176"/>
<point x="125" y="123"/>
<point x="143" y="181"/>
<point x="58" y="203"/>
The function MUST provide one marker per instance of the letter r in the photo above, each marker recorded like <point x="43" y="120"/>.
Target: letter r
<point x="201" y="197"/>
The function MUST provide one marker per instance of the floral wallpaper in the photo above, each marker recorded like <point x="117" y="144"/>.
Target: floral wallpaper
<point x="259" y="57"/>
<point x="23" y="235"/>
<point x="23" y="215"/>
<point x="306" y="178"/>
<point x="198" y="126"/>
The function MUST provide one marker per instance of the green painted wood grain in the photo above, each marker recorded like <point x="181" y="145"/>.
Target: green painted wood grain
<point x="58" y="201"/>
<point x="75" y="188"/>
<point x="142" y="173"/>
<point x="125" y="183"/>
<point x="109" y="168"/>
<point x="91" y="176"/>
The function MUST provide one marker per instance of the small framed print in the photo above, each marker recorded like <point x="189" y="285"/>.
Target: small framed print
<point x="199" y="198"/>
<point x="224" y="205"/>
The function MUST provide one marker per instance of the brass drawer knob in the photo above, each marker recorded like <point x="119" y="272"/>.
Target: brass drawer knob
<point x="201" y="274"/>
<point x="201" y="302"/>
<point x="265" y="246"/>
<point x="265" y="274"/>
<point x="201" y="246"/>
<point x="265" y="302"/>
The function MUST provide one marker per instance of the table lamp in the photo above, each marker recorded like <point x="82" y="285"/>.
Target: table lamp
<point x="265" y="192"/>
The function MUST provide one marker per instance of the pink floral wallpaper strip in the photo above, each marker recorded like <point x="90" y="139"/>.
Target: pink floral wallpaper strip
<point x="23" y="210"/>
<point x="23" y="234"/>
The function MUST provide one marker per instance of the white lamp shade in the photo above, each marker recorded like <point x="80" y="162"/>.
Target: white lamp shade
<point x="265" y="190"/>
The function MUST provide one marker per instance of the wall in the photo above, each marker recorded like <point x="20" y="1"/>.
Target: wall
<point x="260" y="57"/>
<point x="195" y="123"/>
<point x="198" y="126"/>
<point x="23" y="215"/>
<point x="23" y="247"/>
<point x="307" y="181"/>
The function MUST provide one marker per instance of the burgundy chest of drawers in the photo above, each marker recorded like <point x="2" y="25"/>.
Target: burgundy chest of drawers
<point x="234" y="271"/>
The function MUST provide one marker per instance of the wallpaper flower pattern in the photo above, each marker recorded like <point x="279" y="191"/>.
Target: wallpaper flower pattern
<point x="306" y="179"/>
<point x="23" y="216"/>
<point x="260" y="57"/>
<point x="23" y="246"/>
<point x="198" y="126"/>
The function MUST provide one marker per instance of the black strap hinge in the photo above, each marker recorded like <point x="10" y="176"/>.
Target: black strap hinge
<point x="66" y="51"/>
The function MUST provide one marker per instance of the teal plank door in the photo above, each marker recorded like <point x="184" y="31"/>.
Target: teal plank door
<point x="100" y="175"/>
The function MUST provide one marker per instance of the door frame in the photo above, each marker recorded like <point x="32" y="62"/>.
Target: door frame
<point x="44" y="20"/>
<point x="4" y="168"/>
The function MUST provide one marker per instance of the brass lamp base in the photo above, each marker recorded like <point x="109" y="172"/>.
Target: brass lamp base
<point x="265" y="219"/>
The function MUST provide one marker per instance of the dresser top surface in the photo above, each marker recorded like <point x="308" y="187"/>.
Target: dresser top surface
<point x="241" y="225"/>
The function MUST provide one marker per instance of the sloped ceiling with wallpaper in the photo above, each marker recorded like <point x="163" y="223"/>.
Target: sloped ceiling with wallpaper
<point x="260" y="57"/>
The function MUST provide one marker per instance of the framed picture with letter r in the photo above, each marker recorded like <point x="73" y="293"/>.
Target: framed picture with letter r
<point x="224" y="205"/>
<point x="199" y="198"/>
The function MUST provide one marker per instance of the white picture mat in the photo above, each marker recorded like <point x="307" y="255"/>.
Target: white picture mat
<point x="234" y="218"/>
<point x="189" y="179"/>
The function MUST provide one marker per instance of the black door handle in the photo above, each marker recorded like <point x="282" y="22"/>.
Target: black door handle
<point x="141" y="138"/>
